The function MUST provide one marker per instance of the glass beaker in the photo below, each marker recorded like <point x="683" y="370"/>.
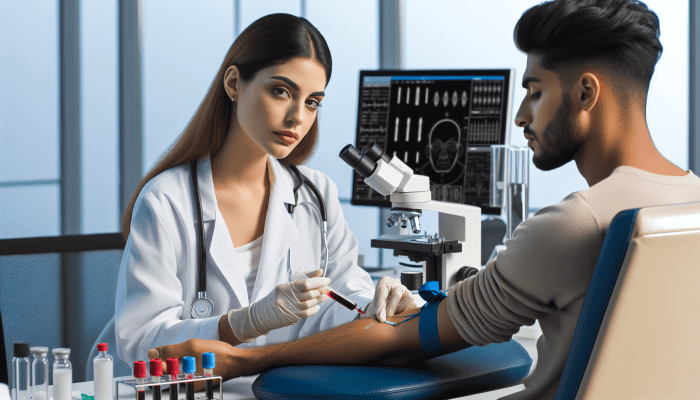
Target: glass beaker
<point x="517" y="183"/>
<point x="499" y="169"/>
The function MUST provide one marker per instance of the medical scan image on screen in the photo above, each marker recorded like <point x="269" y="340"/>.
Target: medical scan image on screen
<point x="439" y="123"/>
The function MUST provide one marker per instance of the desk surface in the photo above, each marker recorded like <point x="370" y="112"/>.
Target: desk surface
<point x="240" y="388"/>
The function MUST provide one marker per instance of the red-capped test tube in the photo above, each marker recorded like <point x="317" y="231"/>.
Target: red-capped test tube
<point x="333" y="294"/>
<point x="156" y="369"/>
<point x="173" y="366"/>
<point x="140" y="375"/>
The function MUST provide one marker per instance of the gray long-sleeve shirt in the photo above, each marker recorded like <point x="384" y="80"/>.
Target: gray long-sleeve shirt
<point x="544" y="272"/>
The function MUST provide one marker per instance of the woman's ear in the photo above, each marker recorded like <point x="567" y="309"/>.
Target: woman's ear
<point x="232" y="82"/>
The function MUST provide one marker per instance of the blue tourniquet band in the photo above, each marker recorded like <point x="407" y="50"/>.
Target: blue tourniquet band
<point x="428" y="328"/>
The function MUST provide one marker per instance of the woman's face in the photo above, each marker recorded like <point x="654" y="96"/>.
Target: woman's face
<point x="278" y="106"/>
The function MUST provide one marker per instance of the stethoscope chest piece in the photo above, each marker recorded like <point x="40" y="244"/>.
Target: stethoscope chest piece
<point x="202" y="307"/>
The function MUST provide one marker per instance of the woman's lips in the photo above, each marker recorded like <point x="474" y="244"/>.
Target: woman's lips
<point x="286" y="137"/>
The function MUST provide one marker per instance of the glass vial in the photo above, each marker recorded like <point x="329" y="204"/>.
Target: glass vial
<point x="20" y="372"/>
<point x="104" y="373"/>
<point x="40" y="373"/>
<point x="62" y="374"/>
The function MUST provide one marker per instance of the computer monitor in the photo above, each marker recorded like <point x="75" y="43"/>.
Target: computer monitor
<point x="441" y="123"/>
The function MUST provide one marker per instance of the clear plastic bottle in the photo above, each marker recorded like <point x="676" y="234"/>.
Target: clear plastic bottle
<point x="20" y="371"/>
<point x="62" y="374"/>
<point x="40" y="373"/>
<point x="104" y="373"/>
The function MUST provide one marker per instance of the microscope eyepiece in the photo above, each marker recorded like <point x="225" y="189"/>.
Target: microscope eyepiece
<point x="350" y="155"/>
<point x="357" y="160"/>
<point x="375" y="153"/>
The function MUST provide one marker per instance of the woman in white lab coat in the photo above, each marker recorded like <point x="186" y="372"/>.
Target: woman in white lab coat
<point x="258" y="118"/>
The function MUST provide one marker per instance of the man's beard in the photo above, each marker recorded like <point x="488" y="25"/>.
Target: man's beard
<point x="560" y="140"/>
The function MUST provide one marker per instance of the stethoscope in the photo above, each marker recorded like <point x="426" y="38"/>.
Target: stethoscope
<point x="203" y="307"/>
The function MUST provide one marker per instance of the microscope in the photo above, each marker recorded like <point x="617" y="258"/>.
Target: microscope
<point x="455" y="253"/>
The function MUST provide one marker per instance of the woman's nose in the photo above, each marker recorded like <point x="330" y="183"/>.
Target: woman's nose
<point x="295" y="114"/>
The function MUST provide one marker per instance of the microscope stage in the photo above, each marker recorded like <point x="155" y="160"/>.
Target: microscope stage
<point x="419" y="245"/>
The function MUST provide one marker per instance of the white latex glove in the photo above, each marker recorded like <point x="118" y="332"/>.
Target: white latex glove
<point x="284" y="306"/>
<point x="390" y="297"/>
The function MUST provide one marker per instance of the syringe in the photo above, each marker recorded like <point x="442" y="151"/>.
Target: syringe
<point x="333" y="294"/>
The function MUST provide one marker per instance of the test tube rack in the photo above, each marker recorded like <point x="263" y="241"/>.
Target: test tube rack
<point x="167" y="381"/>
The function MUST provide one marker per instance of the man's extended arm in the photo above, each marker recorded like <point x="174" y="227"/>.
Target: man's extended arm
<point x="364" y="341"/>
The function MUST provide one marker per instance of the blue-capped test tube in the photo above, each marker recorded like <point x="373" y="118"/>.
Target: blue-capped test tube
<point x="188" y="367"/>
<point x="208" y="366"/>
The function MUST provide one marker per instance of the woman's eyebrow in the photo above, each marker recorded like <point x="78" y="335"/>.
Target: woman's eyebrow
<point x="295" y="86"/>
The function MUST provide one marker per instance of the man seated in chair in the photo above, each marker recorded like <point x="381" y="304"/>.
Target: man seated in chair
<point x="588" y="71"/>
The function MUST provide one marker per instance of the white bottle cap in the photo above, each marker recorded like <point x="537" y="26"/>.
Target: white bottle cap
<point x="39" y="350"/>
<point x="61" y="351"/>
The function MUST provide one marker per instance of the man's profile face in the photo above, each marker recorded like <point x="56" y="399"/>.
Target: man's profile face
<point x="547" y="117"/>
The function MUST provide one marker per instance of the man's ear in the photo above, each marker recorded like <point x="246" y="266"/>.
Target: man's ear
<point x="232" y="82"/>
<point x="587" y="91"/>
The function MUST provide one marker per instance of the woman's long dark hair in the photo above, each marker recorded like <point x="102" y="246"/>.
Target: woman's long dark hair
<point x="271" y="40"/>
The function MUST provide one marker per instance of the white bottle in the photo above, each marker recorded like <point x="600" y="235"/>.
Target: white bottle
<point x="104" y="373"/>
<point x="62" y="374"/>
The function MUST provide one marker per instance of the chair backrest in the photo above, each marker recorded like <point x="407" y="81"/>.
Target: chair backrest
<point x="638" y="335"/>
<point x="58" y="292"/>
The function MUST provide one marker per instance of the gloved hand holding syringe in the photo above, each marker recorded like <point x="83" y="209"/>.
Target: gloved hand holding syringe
<point x="333" y="294"/>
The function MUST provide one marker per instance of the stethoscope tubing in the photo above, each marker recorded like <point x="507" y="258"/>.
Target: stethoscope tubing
<point x="202" y="265"/>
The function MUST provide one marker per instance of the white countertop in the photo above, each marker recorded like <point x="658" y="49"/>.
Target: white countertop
<point x="240" y="388"/>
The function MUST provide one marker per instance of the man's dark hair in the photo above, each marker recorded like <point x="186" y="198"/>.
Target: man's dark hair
<point x="620" y="35"/>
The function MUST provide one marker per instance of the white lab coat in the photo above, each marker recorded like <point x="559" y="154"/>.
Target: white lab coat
<point x="157" y="280"/>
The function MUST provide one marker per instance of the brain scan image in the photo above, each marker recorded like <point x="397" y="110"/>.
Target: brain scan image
<point x="444" y="147"/>
<point x="444" y="152"/>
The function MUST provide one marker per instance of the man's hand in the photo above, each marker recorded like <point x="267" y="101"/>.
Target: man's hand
<point x="390" y="297"/>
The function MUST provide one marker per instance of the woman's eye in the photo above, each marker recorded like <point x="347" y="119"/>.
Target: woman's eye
<point x="280" y="92"/>
<point x="313" y="103"/>
<point x="535" y="95"/>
